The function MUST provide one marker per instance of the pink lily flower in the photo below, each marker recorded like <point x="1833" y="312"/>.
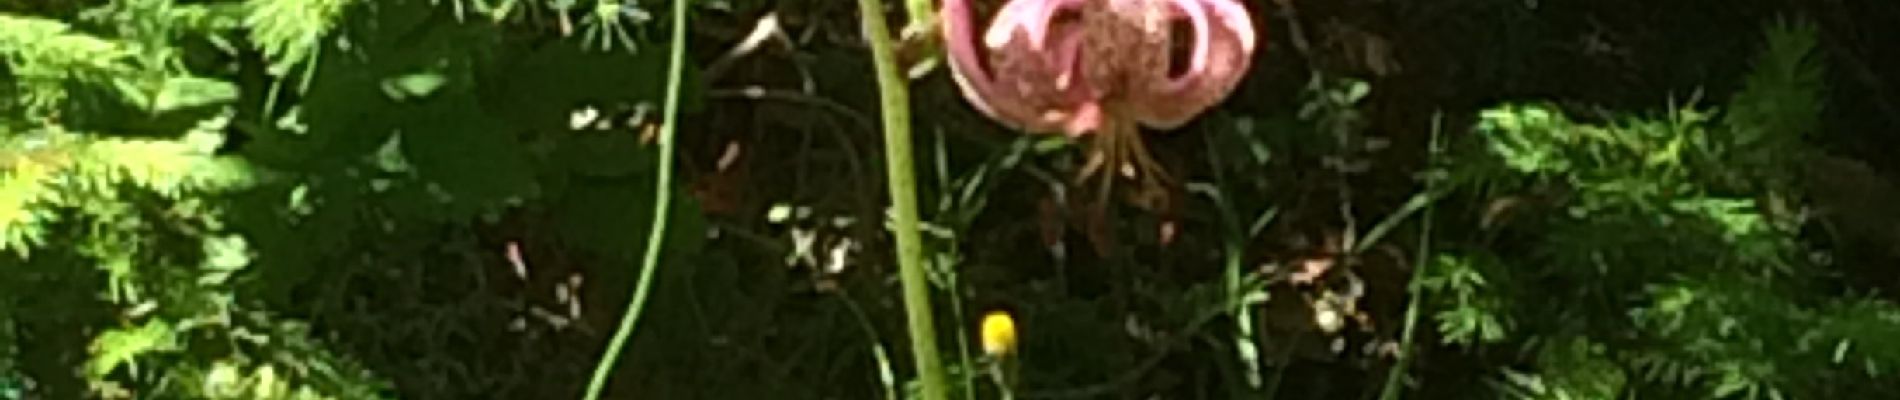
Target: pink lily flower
<point x="1097" y="66"/>
<point x="1101" y="67"/>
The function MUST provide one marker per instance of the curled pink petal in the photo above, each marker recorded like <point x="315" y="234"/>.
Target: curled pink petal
<point x="1028" y="18"/>
<point x="1027" y="83"/>
<point x="1197" y="18"/>
<point x="966" y="69"/>
<point x="1221" y="58"/>
<point x="1235" y="16"/>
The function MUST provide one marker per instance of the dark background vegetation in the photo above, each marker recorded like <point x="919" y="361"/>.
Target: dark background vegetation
<point x="405" y="199"/>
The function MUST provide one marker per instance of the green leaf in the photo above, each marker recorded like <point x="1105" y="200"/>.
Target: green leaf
<point x="413" y="86"/>
<point x="610" y="217"/>
<point x="604" y="154"/>
<point x="224" y="255"/>
<point x="121" y="346"/>
<point x="607" y="217"/>
<point x="191" y="92"/>
<point x="475" y="160"/>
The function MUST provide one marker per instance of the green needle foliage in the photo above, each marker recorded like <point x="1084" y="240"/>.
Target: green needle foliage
<point x="112" y="175"/>
<point x="1677" y="267"/>
<point x="189" y="190"/>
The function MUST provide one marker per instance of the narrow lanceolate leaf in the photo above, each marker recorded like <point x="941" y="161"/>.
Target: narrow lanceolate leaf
<point x="191" y="92"/>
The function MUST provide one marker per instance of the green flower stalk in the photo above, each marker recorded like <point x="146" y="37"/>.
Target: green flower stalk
<point x="901" y="168"/>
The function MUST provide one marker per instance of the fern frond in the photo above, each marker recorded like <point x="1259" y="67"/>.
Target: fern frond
<point x="29" y="165"/>
<point x="1780" y="99"/>
<point x="1779" y="106"/>
<point x="51" y="169"/>
<point x="168" y="168"/>
<point x="207" y="18"/>
<point x="44" y="54"/>
<point x="289" y="31"/>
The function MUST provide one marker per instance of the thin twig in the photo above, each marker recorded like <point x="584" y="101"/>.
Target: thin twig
<point x="853" y="158"/>
<point x="884" y="374"/>
<point x="766" y="28"/>
<point x="795" y="97"/>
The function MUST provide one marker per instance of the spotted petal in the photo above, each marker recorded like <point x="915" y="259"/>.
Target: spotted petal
<point x="1029" y="81"/>
<point x="1223" y="45"/>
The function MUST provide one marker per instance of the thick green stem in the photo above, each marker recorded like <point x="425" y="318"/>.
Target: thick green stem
<point x="662" y="207"/>
<point x="902" y="176"/>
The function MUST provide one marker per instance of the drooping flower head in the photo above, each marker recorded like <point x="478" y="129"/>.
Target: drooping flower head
<point x="1092" y="66"/>
<point x="1101" y="69"/>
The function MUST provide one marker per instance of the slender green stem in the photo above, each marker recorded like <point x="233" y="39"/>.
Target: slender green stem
<point x="1394" y="380"/>
<point x="1234" y="245"/>
<point x="902" y="180"/>
<point x="662" y="205"/>
<point x="951" y="202"/>
<point x="1003" y="374"/>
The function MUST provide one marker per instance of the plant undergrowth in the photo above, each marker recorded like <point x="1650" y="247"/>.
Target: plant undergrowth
<point x="267" y="199"/>
<point x="1666" y="252"/>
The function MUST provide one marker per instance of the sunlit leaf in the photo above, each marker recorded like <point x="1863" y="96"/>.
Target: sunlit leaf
<point x="120" y="347"/>
<point x="189" y="92"/>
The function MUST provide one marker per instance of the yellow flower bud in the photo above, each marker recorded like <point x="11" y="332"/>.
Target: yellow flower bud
<point x="999" y="334"/>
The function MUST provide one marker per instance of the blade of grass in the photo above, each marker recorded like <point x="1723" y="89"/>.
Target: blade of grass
<point x="901" y="170"/>
<point x="662" y="207"/>
<point x="884" y="374"/>
<point x="1394" y="381"/>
